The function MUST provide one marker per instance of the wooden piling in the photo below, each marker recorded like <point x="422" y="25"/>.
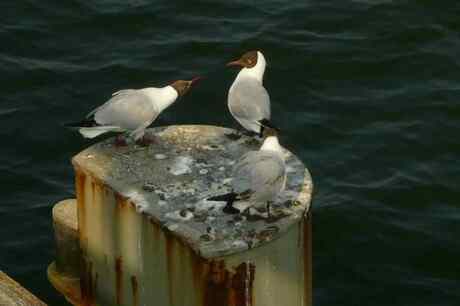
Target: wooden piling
<point x="13" y="294"/>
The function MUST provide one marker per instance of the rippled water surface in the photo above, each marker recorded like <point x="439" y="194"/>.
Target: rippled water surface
<point x="367" y="93"/>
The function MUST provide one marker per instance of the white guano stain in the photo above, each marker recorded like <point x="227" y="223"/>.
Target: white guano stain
<point x="181" y="165"/>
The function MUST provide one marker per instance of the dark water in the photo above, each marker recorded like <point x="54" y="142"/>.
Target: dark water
<point x="366" y="92"/>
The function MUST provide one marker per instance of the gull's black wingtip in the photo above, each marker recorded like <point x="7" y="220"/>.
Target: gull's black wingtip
<point x="230" y="199"/>
<point x="223" y="197"/>
<point x="80" y="124"/>
<point x="269" y="124"/>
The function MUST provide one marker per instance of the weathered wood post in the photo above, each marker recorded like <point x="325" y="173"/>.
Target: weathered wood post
<point x="148" y="236"/>
<point x="13" y="294"/>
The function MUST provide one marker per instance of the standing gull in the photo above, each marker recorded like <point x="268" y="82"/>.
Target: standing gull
<point x="258" y="176"/>
<point x="132" y="111"/>
<point x="248" y="100"/>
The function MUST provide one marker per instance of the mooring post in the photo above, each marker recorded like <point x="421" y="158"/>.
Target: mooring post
<point x="148" y="236"/>
<point x="64" y="273"/>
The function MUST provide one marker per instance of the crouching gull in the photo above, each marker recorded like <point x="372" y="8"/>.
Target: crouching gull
<point x="132" y="111"/>
<point x="258" y="176"/>
<point x="248" y="100"/>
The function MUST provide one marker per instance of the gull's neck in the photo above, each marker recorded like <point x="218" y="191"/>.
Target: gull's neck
<point x="161" y="97"/>
<point x="256" y="72"/>
<point x="271" y="143"/>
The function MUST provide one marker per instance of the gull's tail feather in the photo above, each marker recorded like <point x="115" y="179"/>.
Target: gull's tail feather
<point x="91" y="132"/>
<point x="90" y="129"/>
<point x="230" y="199"/>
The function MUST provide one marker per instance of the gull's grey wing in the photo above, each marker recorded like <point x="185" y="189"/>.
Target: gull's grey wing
<point x="259" y="172"/>
<point x="128" y="109"/>
<point x="107" y="102"/>
<point x="249" y="100"/>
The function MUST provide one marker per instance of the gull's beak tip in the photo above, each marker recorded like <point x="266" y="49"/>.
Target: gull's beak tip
<point x="196" y="79"/>
<point x="233" y="63"/>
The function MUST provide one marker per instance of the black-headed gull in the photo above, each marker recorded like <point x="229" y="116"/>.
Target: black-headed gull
<point x="248" y="100"/>
<point x="132" y="111"/>
<point x="258" y="176"/>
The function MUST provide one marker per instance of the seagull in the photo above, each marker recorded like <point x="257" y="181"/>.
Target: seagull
<point x="248" y="100"/>
<point x="258" y="176"/>
<point x="132" y="111"/>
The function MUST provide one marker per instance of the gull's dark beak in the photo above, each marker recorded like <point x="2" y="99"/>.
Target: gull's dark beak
<point x="235" y="63"/>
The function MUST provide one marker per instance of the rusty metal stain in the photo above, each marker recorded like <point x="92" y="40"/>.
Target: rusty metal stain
<point x="86" y="284"/>
<point x="242" y="284"/>
<point x="86" y="281"/>
<point x="119" y="279"/>
<point x="68" y="286"/>
<point x="80" y="179"/>
<point x="215" y="284"/>
<point x="93" y="190"/>
<point x="122" y="201"/>
<point x="229" y="288"/>
<point x="135" y="289"/>
<point x="307" y="261"/>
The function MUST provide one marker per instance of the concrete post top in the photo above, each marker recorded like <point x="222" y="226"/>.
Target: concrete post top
<point x="169" y="181"/>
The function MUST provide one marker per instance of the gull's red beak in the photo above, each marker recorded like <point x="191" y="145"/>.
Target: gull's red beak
<point x="235" y="63"/>
<point x="195" y="79"/>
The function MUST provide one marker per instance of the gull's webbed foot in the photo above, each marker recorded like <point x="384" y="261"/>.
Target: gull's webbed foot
<point x="146" y="140"/>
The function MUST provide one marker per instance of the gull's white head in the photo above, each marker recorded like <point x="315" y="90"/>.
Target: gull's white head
<point x="271" y="142"/>
<point x="252" y="61"/>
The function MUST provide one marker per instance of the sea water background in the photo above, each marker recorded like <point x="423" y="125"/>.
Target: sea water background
<point x="367" y="93"/>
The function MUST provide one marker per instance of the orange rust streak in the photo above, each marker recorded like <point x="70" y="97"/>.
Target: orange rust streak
<point x="307" y="262"/>
<point x="242" y="284"/>
<point x="86" y="281"/>
<point x="217" y="287"/>
<point x="80" y="179"/>
<point x="86" y="284"/>
<point x="94" y="191"/>
<point x="134" y="287"/>
<point x="119" y="279"/>
<point x="122" y="201"/>
<point x="228" y="288"/>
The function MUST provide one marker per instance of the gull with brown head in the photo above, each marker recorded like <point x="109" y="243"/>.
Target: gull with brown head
<point x="248" y="100"/>
<point x="132" y="111"/>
